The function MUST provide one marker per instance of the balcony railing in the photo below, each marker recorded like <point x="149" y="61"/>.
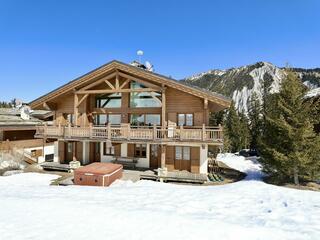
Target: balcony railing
<point x="127" y="132"/>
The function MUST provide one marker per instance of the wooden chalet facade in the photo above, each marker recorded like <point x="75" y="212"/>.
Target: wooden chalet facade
<point x="123" y="111"/>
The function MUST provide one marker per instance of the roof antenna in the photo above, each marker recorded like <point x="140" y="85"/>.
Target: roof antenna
<point x="140" y="53"/>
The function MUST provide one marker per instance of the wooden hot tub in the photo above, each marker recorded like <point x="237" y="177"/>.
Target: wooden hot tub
<point x="97" y="174"/>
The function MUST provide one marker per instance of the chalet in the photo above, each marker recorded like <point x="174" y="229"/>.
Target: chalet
<point x="18" y="128"/>
<point x="121" y="112"/>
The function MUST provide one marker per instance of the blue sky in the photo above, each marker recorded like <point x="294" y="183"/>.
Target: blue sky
<point x="44" y="44"/>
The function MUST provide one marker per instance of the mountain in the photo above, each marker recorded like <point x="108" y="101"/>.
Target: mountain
<point x="239" y="83"/>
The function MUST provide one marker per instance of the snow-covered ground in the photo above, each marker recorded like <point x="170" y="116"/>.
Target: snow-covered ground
<point x="249" y="209"/>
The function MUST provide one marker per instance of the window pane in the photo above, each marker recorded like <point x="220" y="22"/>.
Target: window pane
<point x="189" y="119"/>
<point x="178" y="153"/>
<point x="100" y="119"/>
<point x="114" y="118"/>
<point x="137" y="119"/>
<point x="181" y="118"/>
<point x="143" y="99"/>
<point x="109" y="101"/>
<point x="152" y="119"/>
<point x="186" y="153"/>
<point x="143" y="150"/>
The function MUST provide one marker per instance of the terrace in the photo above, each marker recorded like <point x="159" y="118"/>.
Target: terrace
<point x="126" y="132"/>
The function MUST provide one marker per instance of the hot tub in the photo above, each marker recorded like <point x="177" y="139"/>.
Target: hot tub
<point x="97" y="174"/>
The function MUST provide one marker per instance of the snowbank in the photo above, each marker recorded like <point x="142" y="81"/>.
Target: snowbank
<point x="30" y="209"/>
<point x="27" y="179"/>
<point x="250" y="166"/>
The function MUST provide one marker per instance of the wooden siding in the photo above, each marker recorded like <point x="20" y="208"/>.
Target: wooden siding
<point x="130" y="150"/>
<point x="61" y="147"/>
<point x="195" y="159"/>
<point x="170" y="158"/>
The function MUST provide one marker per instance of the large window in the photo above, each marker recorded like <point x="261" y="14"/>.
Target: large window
<point x="104" y="119"/>
<point x="108" y="150"/>
<point x="112" y="100"/>
<point x="182" y="153"/>
<point x="140" y="150"/>
<point x="145" y="119"/>
<point x="185" y="119"/>
<point x="144" y="99"/>
<point x="69" y="118"/>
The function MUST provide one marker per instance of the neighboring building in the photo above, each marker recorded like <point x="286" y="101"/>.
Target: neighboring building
<point x="124" y="110"/>
<point x="18" y="128"/>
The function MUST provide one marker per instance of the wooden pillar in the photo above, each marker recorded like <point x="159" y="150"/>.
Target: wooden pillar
<point x="163" y="109"/>
<point x="205" y="112"/>
<point x="163" y="156"/>
<point x="74" y="157"/>
<point x="76" y="109"/>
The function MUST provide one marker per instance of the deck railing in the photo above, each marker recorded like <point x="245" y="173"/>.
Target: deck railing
<point x="127" y="132"/>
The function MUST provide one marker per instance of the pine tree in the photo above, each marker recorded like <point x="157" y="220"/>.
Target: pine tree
<point x="244" y="131"/>
<point x="255" y="120"/>
<point x="232" y="130"/>
<point x="288" y="139"/>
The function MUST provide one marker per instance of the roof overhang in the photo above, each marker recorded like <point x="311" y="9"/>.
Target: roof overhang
<point x="131" y="70"/>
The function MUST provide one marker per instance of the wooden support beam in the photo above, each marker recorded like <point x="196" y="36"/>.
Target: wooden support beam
<point x="205" y="103"/>
<point x="101" y="91"/>
<point x="143" y="82"/>
<point x="117" y="79"/>
<point x="98" y="82"/>
<point x="82" y="99"/>
<point x="153" y="95"/>
<point x="163" y="156"/>
<point x="163" y="110"/>
<point x="125" y="83"/>
<point x="76" y="109"/>
<point x="49" y="106"/>
<point x="109" y="84"/>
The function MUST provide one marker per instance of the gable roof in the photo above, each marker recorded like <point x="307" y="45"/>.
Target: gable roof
<point x="116" y="65"/>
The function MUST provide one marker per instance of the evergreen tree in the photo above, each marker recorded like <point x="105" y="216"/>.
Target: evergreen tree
<point x="244" y="131"/>
<point x="288" y="139"/>
<point x="232" y="130"/>
<point x="255" y="120"/>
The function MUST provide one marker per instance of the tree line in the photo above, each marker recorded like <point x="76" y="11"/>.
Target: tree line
<point x="283" y="128"/>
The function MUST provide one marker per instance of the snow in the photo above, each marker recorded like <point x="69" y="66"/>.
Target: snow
<point x="249" y="209"/>
<point x="251" y="167"/>
<point x="313" y="93"/>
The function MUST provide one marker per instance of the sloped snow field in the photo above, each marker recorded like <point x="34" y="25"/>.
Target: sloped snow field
<point x="249" y="209"/>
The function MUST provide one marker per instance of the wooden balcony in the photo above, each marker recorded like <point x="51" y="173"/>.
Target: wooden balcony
<point x="125" y="132"/>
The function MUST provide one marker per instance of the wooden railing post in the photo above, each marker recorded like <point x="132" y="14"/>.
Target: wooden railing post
<point x="203" y="132"/>
<point x="220" y="132"/>
<point x="69" y="130"/>
<point x="109" y="131"/>
<point x="154" y="131"/>
<point x="59" y="130"/>
<point x="90" y="130"/>
<point x="181" y="130"/>
<point x="129" y="131"/>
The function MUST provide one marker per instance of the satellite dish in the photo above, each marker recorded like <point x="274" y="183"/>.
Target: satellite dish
<point x="149" y="66"/>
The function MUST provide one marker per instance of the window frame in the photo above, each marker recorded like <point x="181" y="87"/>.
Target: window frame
<point x="144" y="119"/>
<point x="183" y="153"/>
<point x="95" y="117"/>
<point x="98" y="99"/>
<point x="108" y="151"/>
<point x="185" y="119"/>
<point x="138" y="148"/>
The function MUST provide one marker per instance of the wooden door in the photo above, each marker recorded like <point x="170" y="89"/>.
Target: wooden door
<point x="69" y="148"/>
<point x="95" y="152"/>
<point x="155" y="156"/>
<point x="182" y="159"/>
